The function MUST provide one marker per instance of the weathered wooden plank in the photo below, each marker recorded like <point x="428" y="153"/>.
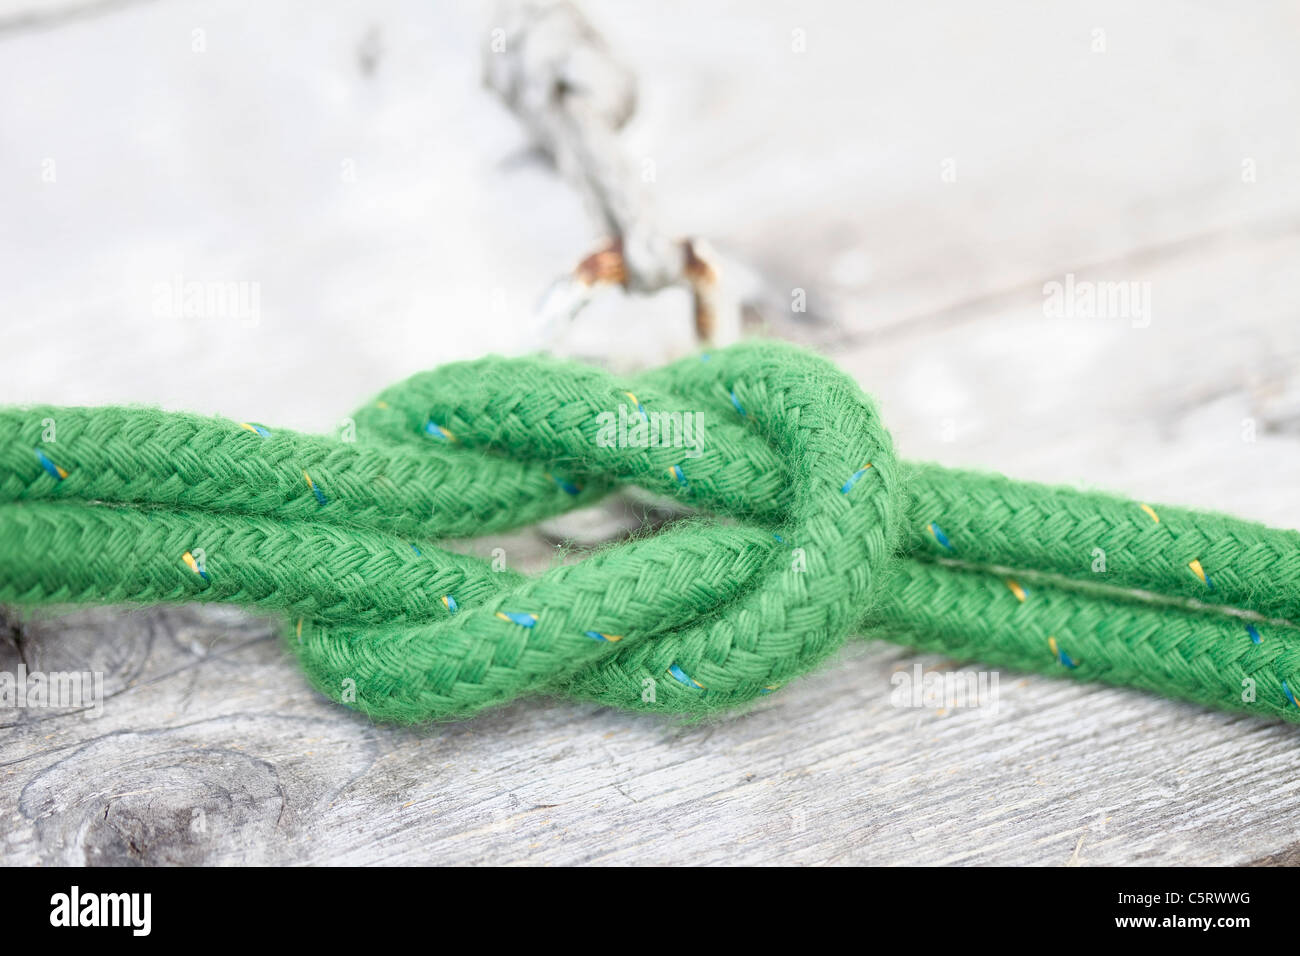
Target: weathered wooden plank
<point x="375" y="195"/>
<point x="234" y="762"/>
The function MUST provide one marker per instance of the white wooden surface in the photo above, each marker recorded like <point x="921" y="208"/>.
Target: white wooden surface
<point x="347" y="161"/>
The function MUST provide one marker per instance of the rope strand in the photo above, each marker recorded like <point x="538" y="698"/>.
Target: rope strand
<point x="820" y="533"/>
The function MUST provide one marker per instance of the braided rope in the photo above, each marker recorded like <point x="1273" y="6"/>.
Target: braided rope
<point x="819" y="533"/>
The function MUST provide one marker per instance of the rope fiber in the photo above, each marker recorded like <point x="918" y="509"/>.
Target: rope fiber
<point x="806" y="530"/>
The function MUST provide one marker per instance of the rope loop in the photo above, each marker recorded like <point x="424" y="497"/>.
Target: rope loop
<point x="700" y="617"/>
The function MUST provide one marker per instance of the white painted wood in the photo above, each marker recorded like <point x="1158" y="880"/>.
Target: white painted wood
<point x="823" y="170"/>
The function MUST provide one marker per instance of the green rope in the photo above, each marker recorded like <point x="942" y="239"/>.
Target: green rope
<point x="818" y="532"/>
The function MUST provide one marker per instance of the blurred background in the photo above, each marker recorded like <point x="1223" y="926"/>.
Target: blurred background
<point x="918" y="175"/>
<point x="1057" y="240"/>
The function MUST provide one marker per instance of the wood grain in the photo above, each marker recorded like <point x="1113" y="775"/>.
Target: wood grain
<point x="822" y="170"/>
